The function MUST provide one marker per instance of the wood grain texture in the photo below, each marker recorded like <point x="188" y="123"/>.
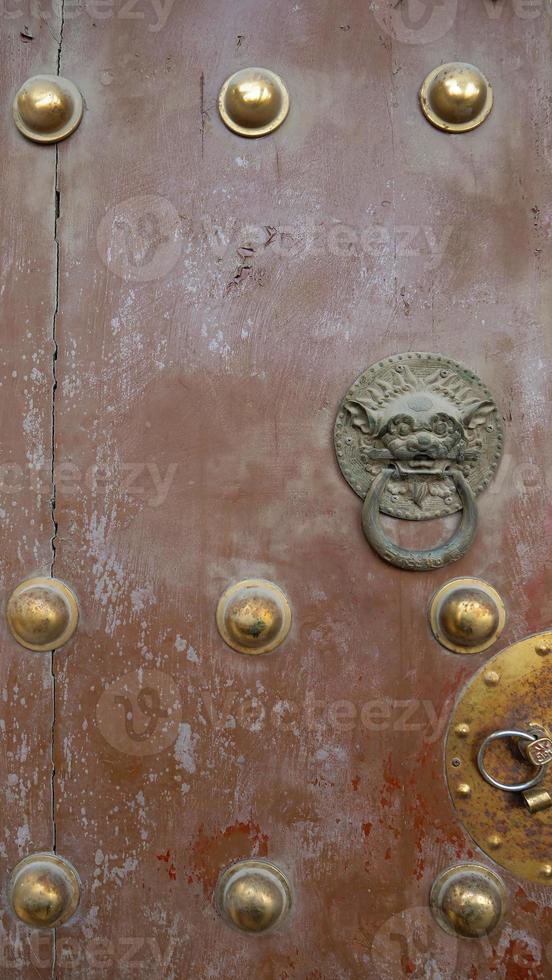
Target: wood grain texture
<point x="28" y="292"/>
<point x="217" y="299"/>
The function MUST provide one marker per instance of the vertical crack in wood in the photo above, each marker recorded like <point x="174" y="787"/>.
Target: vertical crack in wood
<point x="202" y="111"/>
<point x="53" y="540"/>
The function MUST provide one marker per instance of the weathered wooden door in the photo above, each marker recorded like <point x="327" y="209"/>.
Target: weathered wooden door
<point x="184" y="310"/>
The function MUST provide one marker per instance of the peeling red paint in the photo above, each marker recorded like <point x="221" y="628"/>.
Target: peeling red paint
<point x="535" y="589"/>
<point x="355" y="782"/>
<point x="525" y="903"/>
<point x="426" y="825"/>
<point x="366" y="828"/>
<point x="517" y="961"/>
<point x="211" y="852"/>
<point x="171" y="870"/>
<point x="389" y="779"/>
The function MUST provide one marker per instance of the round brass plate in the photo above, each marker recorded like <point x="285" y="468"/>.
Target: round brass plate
<point x="467" y="615"/>
<point x="253" y="896"/>
<point x="44" y="890"/>
<point x="253" y="102"/>
<point x="47" y="108"/>
<point x="513" y="690"/>
<point x="468" y="900"/>
<point x="42" y="613"/>
<point x="456" y="97"/>
<point x="253" y="616"/>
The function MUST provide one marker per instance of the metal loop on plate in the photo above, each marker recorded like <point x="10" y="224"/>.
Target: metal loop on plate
<point x="422" y="560"/>
<point x="509" y="787"/>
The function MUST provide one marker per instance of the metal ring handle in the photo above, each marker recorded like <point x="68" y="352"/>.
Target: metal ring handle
<point x="509" y="787"/>
<point x="412" y="560"/>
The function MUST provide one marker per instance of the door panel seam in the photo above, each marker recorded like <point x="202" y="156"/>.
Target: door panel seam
<point x="53" y="500"/>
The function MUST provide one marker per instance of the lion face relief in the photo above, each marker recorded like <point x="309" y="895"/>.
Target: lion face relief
<point x="427" y="418"/>
<point x="421" y="428"/>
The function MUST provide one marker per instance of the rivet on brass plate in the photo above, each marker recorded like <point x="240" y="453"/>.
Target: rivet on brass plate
<point x="463" y="789"/>
<point x="253" y="616"/>
<point x="253" y="102"/>
<point x="468" y="900"/>
<point x="456" y="97"/>
<point x="547" y="870"/>
<point x="494" y="841"/>
<point x="47" y="108"/>
<point x="467" y="615"/>
<point x="42" y="613"/>
<point x="491" y="678"/>
<point x="253" y="896"/>
<point x="543" y="649"/>
<point x="44" y="890"/>
<point x="462" y="730"/>
<point x="537" y="799"/>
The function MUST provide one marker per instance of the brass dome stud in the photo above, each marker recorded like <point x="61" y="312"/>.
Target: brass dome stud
<point x="253" y="896"/>
<point x="467" y="615"/>
<point x="468" y="900"/>
<point x="47" y="108"/>
<point x="253" y="616"/>
<point x="42" y="613"/>
<point x="44" y="890"/>
<point x="253" y="102"/>
<point x="456" y="97"/>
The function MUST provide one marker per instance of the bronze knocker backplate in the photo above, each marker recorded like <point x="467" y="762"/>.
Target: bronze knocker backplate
<point x="418" y="436"/>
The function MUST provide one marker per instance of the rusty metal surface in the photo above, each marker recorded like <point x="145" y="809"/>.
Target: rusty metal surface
<point x="216" y="298"/>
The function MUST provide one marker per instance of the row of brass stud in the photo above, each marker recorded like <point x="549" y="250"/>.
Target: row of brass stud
<point x="254" y="102"/>
<point x="467" y="615"/>
<point x="254" y="616"/>
<point x="252" y="895"/>
<point x="255" y="896"/>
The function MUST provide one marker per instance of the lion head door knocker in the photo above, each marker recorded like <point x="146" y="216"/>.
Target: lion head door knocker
<point x="418" y="436"/>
